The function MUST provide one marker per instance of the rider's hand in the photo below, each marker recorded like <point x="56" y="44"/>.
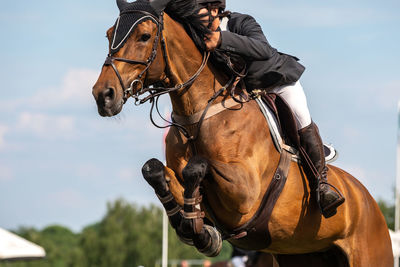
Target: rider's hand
<point x="213" y="41"/>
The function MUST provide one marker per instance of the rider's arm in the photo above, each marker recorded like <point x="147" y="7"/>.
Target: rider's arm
<point x="247" y="39"/>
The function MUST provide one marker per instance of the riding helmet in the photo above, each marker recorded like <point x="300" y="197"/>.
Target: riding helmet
<point x="222" y="3"/>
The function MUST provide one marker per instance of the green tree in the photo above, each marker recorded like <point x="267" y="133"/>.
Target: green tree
<point x="388" y="211"/>
<point x="178" y="250"/>
<point x="128" y="235"/>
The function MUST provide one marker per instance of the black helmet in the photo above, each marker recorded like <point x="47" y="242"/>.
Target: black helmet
<point x="221" y="3"/>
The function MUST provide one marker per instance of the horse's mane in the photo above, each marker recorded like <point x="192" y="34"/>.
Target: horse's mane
<point x="185" y="12"/>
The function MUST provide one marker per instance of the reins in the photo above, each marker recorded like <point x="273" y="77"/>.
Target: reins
<point x="191" y="138"/>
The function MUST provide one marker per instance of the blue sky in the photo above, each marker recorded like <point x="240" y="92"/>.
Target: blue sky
<point x="60" y="162"/>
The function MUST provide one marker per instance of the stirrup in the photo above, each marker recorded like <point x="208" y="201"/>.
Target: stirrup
<point x="331" y="209"/>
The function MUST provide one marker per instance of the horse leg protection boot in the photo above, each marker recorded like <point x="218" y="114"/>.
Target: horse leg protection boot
<point x="154" y="173"/>
<point x="205" y="238"/>
<point x="327" y="198"/>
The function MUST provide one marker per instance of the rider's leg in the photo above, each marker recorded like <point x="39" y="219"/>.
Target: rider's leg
<point x="296" y="99"/>
<point x="311" y="141"/>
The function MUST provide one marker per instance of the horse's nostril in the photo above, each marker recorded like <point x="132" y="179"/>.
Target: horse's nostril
<point x="109" y="94"/>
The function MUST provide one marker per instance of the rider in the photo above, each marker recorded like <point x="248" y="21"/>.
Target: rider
<point x="268" y="69"/>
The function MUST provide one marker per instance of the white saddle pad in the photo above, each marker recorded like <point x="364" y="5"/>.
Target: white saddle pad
<point x="330" y="152"/>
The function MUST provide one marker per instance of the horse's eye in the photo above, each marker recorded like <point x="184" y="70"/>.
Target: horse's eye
<point x="145" y="37"/>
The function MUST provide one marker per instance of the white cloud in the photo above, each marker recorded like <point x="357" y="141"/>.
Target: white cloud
<point x="6" y="174"/>
<point x="3" y="131"/>
<point x="75" y="89"/>
<point x="46" y="126"/>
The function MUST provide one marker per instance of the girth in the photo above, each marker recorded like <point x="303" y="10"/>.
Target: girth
<point x="254" y="235"/>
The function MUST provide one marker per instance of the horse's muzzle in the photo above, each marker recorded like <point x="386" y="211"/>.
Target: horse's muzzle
<point x="108" y="104"/>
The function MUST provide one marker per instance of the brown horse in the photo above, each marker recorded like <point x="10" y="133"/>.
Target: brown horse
<point x="233" y="158"/>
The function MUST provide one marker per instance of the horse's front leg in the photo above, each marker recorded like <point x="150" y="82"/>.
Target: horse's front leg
<point x="205" y="238"/>
<point x="154" y="173"/>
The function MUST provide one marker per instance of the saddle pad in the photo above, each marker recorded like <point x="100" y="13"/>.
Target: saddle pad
<point x="330" y="152"/>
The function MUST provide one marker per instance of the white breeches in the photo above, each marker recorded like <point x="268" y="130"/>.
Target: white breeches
<point x="295" y="97"/>
<point x="239" y="261"/>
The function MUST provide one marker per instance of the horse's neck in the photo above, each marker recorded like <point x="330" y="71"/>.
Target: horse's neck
<point x="184" y="61"/>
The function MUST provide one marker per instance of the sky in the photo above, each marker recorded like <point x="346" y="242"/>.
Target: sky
<point x="60" y="162"/>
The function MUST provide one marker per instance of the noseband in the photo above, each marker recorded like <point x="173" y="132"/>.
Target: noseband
<point x="154" y="91"/>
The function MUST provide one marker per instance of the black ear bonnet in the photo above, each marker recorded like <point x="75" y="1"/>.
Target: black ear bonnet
<point x="127" y="22"/>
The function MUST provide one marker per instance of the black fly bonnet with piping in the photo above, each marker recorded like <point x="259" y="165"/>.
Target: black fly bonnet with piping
<point x="128" y="21"/>
<point x="184" y="11"/>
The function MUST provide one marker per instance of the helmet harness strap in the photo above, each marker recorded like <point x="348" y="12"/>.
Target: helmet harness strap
<point x="211" y="18"/>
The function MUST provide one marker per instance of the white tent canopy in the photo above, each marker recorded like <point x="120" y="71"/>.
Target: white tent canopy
<point x="13" y="247"/>
<point x="395" y="236"/>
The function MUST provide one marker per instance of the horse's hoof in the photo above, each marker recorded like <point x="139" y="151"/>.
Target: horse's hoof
<point x="193" y="173"/>
<point x="215" y="244"/>
<point x="154" y="173"/>
<point x="187" y="241"/>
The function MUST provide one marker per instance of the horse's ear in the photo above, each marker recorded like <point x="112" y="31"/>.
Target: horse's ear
<point x="159" y="5"/>
<point x="122" y="4"/>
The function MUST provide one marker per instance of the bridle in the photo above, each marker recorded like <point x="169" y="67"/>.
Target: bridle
<point x="153" y="91"/>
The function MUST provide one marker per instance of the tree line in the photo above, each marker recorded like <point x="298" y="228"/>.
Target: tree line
<point x="128" y="235"/>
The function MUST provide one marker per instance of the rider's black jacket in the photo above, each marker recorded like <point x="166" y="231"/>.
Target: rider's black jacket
<point x="266" y="66"/>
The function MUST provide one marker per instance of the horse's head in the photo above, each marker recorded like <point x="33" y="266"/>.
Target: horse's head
<point x="133" y="42"/>
<point x="140" y="56"/>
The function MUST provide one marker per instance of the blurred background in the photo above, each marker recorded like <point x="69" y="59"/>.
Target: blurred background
<point x="61" y="163"/>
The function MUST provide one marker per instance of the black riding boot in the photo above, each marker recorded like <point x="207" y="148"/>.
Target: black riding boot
<point x="328" y="199"/>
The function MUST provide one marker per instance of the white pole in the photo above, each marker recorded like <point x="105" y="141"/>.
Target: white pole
<point x="164" y="262"/>
<point x="397" y="203"/>
<point x="165" y="241"/>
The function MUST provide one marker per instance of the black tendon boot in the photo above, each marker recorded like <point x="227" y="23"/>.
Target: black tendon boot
<point x="154" y="173"/>
<point x="327" y="198"/>
<point x="206" y="239"/>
